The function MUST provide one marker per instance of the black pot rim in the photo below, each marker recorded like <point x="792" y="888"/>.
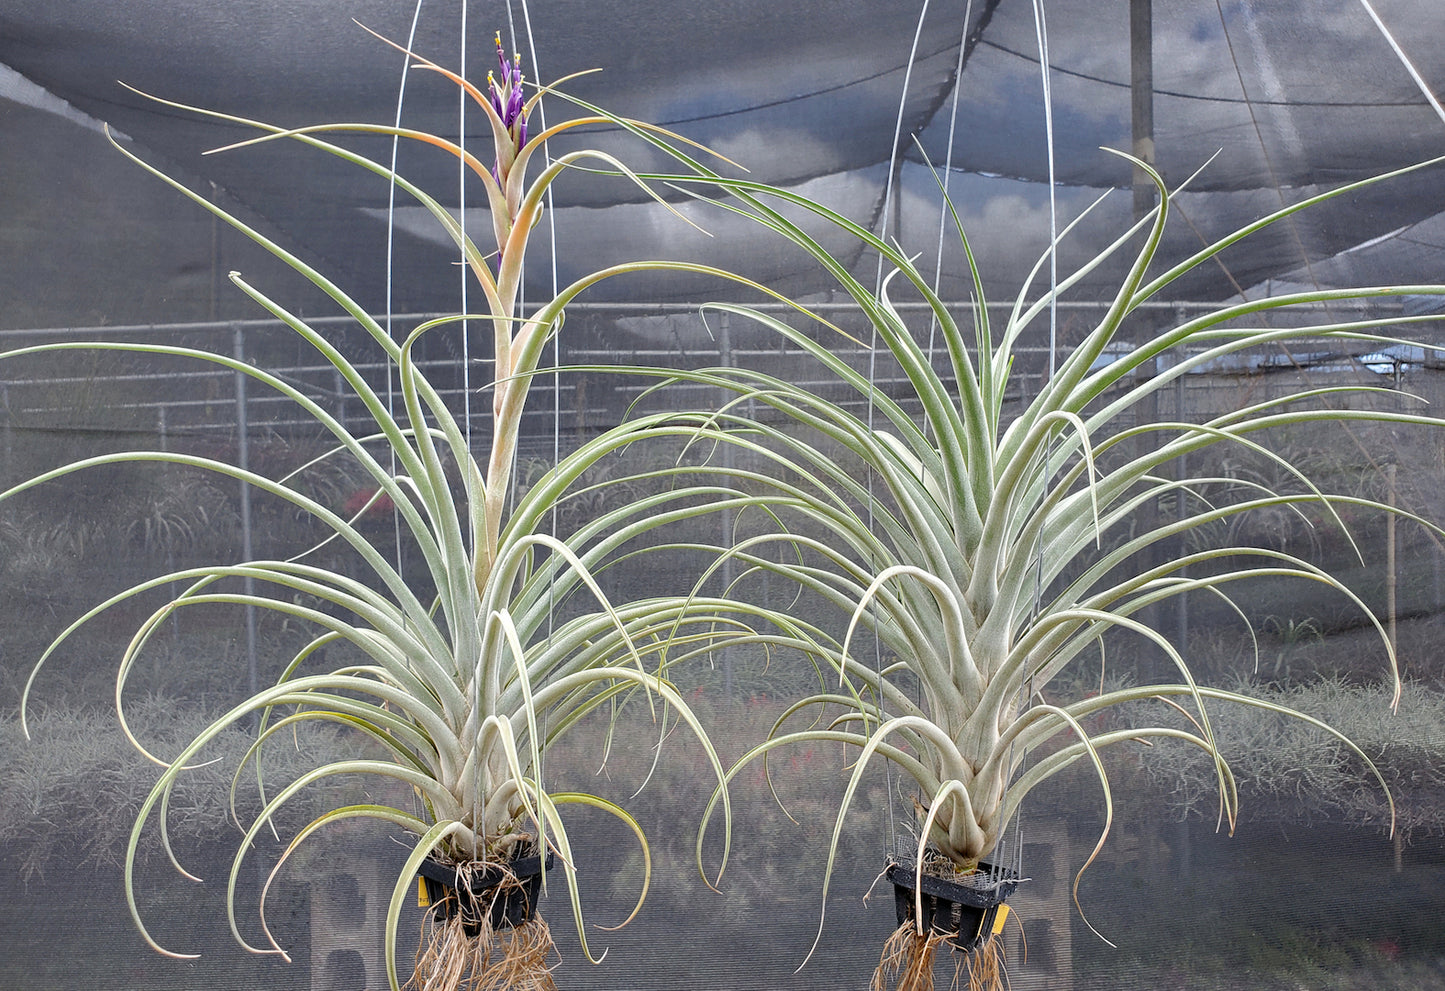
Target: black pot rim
<point x="902" y="875"/>
<point x="445" y="872"/>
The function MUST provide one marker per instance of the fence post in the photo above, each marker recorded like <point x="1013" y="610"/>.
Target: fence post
<point x="725" y="349"/>
<point x="243" y="460"/>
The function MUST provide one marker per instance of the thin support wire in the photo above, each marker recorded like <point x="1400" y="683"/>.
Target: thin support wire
<point x="1405" y="60"/>
<point x="1041" y="32"/>
<point x="948" y="174"/>
<point x="390" y="272"/>
<point x="891" y="836"/>
<point x="462" y="98"/>
<point x="556" y="338"/>
<point x="552" y="242"/>
<point x="391" y="249"/>
<point x="1252" y="31"/>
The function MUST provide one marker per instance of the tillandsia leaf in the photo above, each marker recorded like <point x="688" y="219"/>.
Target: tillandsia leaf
<point x="382" y="769"/>
<point x="617" y="812"/>
<point x="430" y="840"/>
<point x="959" y="673"/>
<point x="354" y="447"/>
<point x="258" y="481"/>
<point x="902" y="757"/>
<point x="433" y="487"/>
<point x="375" y="330"/>
<point x="395" y="734"/>
<point x="298" y="691"/>
<point x="394" y="669"/>
<point x="527" y="710"/>
<point x="521" y="365"/>
<point x="935" y="741"/>
<point x="1206" y="253"/>
<point x="383" y="813"/>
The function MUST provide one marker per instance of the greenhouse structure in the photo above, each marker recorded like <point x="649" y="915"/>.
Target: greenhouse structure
<point x="755" y="494"/>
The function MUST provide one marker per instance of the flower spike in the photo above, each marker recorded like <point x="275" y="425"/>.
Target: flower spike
<point x="510" y="105"/>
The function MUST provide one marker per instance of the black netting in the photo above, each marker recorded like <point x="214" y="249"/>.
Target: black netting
<point x="1289" y="99"/>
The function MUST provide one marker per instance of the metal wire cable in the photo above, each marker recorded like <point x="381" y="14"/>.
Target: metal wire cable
<point x="391" y="248"/>
<point x="894" y="161"/>
<point x="556" y="338"/>
<point x="390" y="273"/>
<point x="1419" y="80"/>
<point x="462" y="98"/>
<point x="1041" y="32"/>
<point x="948" y="174"/>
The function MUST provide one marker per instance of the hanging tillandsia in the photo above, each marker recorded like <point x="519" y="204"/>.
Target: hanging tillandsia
<point x="991" y="556"/>
<point x="462" y="679"/>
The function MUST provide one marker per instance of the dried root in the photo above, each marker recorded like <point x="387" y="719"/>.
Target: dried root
<point x="985" y="967"/>
<point x="515" y="958"/>
<point x="908" y="958"/>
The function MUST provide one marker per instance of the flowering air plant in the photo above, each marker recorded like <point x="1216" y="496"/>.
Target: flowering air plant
<point x="991" y="556"/>
<point x="461" y="693"/>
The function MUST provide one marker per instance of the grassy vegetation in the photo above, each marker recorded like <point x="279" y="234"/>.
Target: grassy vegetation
<point x="1309" y="908"/>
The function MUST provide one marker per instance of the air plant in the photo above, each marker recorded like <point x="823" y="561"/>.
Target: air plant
<point x="461" y="693"/>
<point x="991" y="556"/>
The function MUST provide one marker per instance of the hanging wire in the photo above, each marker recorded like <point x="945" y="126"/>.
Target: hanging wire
<point x="1041" y="33"/>
<point x="894" y="164"/>
<point x="895" y="158"/>
<point x="1424" y="88"/>
<point x="1367" y="452"/>
<point x="556" y="338"/>
<point x="1042" y="29"/>
<point x="1251" y="30"/>
<point x="391" y="252"/>
<point x="943" y="214"/>
<point x="1405" y="60"/>
<point x="552" y="241"/>
<point x="390" y="280"/>
<point x="462" y="98"/>
<point x="947" y="175"/>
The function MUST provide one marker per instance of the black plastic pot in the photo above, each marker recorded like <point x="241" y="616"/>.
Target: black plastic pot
<point x="963" y="909"/>
<point x="510" y="906"/>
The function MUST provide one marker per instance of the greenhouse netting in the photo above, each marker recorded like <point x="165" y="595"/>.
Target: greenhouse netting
<point x="1026" y="407"/>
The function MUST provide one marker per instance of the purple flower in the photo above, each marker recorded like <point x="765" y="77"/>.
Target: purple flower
<point x="507" y="97"/>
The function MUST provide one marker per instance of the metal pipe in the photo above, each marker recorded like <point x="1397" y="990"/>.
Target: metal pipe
<point x="1388" y="305"/>
<point x="1141" y="102"/>
<point x="243" y="459"/>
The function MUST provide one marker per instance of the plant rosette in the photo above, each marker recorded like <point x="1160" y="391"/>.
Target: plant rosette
<point x="991" y="555"/>
<point x="462" y="680"/>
